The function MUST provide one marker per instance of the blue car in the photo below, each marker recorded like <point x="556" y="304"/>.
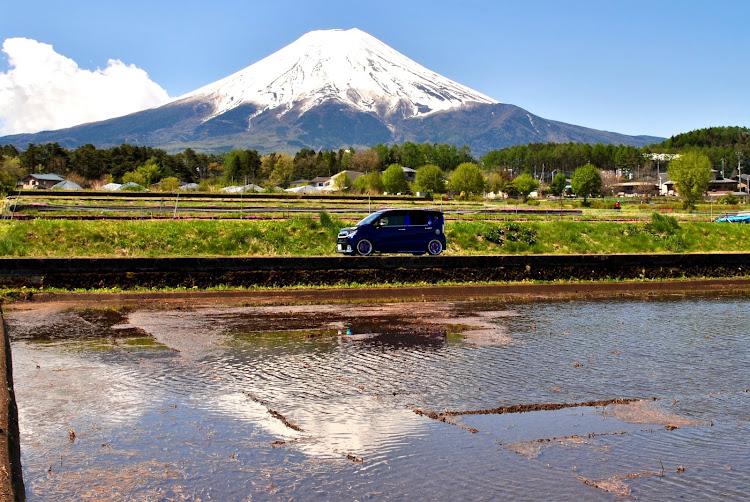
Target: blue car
<point x="416" y="231"/>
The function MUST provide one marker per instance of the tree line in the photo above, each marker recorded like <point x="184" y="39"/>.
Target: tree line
<point x="720" y="144"/>
<point x="725" y="147"/>
<point x="88" y="164"/>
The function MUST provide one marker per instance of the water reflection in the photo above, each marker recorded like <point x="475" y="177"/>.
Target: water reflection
<point x="309" y="401"/>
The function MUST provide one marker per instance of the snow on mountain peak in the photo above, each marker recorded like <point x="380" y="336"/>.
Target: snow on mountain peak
<point x="347" y="66"/>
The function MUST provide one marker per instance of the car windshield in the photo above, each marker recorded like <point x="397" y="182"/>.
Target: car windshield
<point x="368" y="220"/>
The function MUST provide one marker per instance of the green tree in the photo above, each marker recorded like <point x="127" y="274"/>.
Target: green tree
<point x="467" y="179"/>
<point x="133" y="177"/>
<point x="430" y="179"/>
<point x="342" y="182"/>
<point x="394" y="179"/>
<point x="370" y="183"/>
<point x="498" y="181"/>
<point x="525" y="184"/>
<point x="586" y="181"/>
<point x="558" y="184"/>
<point x="150" y="172"/>
<point x="10" y="173"/>
<point x="691" y="173"/>
<point x="412" y="156"/>
<point x="233" y="167"/>
<point x="170" y="184"/>
<point x="283" y="170"/>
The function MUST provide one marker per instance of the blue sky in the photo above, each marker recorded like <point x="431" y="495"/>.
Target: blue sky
<point x="634" y="67"/>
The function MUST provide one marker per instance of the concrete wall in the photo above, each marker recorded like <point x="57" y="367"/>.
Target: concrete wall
<point x="278" y="271"/>
<point x="11" y="476"/>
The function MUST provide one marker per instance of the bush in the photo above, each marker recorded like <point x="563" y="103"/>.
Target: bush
<point x="729" y="199"/>
<point x="513" y="232"/>
<point x="665" y="228"/>
<point x="662" y="224"/>
<point x="328" y="223"/>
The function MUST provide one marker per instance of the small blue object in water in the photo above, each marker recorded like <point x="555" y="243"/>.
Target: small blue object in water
<point x="348" y="331"/>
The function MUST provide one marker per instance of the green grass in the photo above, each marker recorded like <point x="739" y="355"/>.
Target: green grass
<point x="316" y="236"/>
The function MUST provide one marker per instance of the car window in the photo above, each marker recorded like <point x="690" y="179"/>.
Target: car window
<point x="418" y="218"/>
<point x="368" y="220"/>
<point x="393" y="220"/>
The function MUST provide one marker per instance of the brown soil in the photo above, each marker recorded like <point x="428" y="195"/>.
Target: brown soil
<point x="509" y="291"/>
<point x="524" y="408"/>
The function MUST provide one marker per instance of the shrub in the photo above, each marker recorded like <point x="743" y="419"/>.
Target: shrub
<point x="729" y="199"/>
<point x="513" y="232"/>
<point x="494" y="234"/>
<point x="662" y="224"/>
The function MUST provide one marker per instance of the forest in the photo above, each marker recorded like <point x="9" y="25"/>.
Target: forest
<point x="727" y="148"/>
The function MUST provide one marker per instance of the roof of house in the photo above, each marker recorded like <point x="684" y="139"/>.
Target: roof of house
<point x="353" y="175"/>
<point x="634" y="184"/>
<point x="47" y="177"/>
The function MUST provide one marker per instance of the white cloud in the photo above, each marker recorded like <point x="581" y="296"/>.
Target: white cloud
<point x="44" y="90"/>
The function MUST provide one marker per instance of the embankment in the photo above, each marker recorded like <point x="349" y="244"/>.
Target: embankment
<point x="126" y="273"/>
<point x="11" y="476"/>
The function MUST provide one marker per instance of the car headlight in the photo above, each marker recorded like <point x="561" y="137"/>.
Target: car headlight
<point x="347" y="233"/>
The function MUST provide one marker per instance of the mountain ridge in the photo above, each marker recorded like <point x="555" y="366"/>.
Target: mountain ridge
<point x="329" y="89"/>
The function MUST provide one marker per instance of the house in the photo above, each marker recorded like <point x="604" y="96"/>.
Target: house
<point x="330" y="185"/>
<point x="635" y="188"/>
<point x="411" y="174"/>
<point x="320" y="181"/>
<point x="719" y="186"/>
<point x="664" y="185"/>
<point x="39" y="181"/>
<point x="743" y="181"/>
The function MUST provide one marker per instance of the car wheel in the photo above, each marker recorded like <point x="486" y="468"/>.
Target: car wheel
<point x="364" y="247"/>
<point x="435" y="247"/>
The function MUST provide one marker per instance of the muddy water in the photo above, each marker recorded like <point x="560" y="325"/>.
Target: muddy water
<point x="630" y="398"/>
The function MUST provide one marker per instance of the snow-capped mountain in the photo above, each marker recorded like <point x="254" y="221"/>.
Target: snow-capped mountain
<point x="328" y="90"/>
<point x="345" y="66"/>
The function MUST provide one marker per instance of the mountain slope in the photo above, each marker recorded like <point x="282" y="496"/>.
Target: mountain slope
<point x="328" y="90"/>
<point x="348" y="67"/>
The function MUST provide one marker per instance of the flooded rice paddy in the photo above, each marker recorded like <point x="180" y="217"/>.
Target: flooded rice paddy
<point x="594" y="400"/>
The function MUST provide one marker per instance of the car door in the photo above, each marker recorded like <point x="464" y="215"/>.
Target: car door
<point x="417" y="233"/>
<point x="391" y="232"/>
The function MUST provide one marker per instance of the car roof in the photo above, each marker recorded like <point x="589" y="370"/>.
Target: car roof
<point x="395" y="209"/>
